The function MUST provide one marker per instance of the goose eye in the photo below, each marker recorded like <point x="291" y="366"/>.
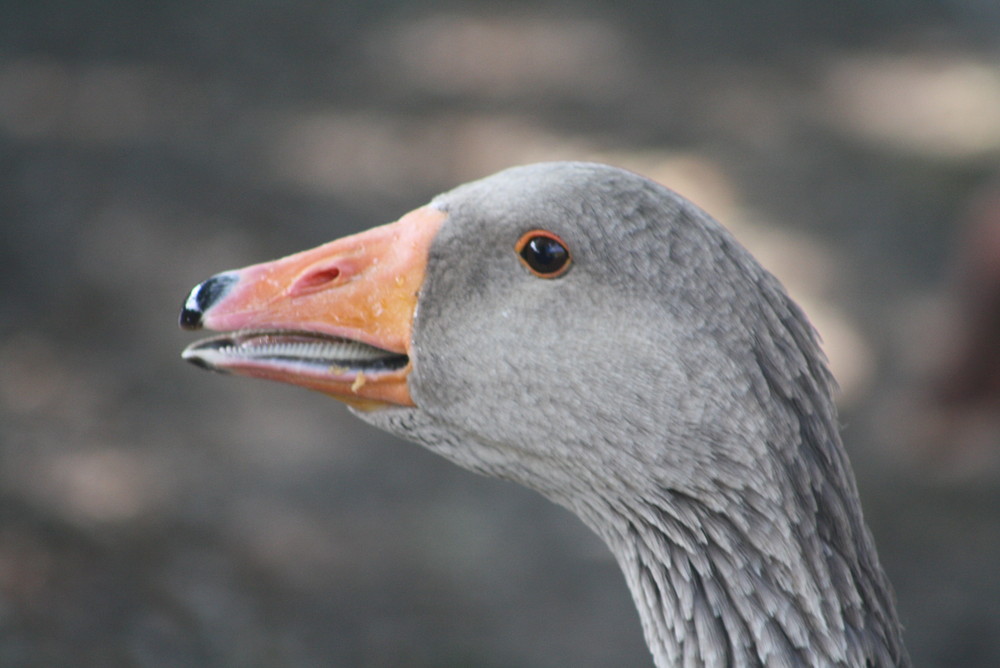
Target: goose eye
<point x="543" y="253"/>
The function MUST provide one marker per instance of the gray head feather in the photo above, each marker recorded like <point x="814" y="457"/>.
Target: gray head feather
<point x="667" y="391"/>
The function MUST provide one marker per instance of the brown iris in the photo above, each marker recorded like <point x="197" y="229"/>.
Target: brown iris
<point x="544" y="253"/>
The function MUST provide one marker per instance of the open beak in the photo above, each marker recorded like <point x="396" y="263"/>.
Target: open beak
<point x="337" y="319"/>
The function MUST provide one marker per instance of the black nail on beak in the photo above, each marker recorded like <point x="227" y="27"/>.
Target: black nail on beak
<point x="203" y="297"/>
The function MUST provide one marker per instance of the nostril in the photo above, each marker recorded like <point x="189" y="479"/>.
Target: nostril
<point x="325" y="276"/>
<point x="316" y="279"/>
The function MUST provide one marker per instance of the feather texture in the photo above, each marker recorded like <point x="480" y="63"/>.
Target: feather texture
<point x="667" y="391"/>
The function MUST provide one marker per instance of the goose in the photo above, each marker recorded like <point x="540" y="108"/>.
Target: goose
<point x="593" y="335"/>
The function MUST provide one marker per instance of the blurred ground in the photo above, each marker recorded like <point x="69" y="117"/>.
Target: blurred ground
<point x="153" y="515"/>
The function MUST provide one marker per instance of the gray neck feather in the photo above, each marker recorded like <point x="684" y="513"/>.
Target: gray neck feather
<point x="774" y="566"/>
<point x="711" y="593"/>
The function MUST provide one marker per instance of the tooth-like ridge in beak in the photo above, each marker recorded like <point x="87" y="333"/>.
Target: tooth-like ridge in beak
<point x="283" y="347"/>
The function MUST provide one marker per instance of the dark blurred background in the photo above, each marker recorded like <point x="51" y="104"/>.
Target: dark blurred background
<point x="155" y="515"/>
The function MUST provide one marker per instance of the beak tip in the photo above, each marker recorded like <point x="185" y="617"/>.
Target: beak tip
<point x="203" y="297"/>
<point x="193" y="355"/>
<point x="198" y="362"/>
<point x="190" y="319"/>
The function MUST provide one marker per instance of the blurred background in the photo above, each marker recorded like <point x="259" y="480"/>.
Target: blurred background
<point x="155" y="515"/>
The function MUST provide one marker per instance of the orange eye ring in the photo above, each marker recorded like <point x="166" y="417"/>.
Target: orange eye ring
<point x="543" y="253"/>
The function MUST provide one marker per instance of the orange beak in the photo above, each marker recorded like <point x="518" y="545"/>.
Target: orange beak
<point x="337" y="319"/>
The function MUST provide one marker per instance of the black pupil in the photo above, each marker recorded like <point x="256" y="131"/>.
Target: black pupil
<point x="544" y="254"/>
